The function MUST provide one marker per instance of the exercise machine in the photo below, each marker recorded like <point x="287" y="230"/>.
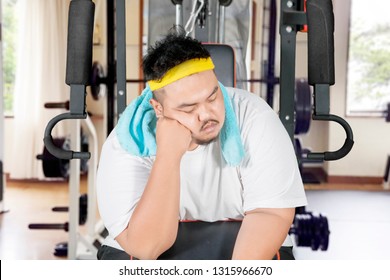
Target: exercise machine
<point x="319" y="19"/>
<point x="320" y="25"/>
<point x="54" y="167"/>
<point x="78" y="72"/>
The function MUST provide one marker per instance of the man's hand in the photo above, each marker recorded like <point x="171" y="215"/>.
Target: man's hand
<point x="172" y="137"/>
<point x="153" y="226"/>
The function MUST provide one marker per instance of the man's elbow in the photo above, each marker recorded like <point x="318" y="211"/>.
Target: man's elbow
<point x="148" y="249"/>
<point x="284" y="214"/>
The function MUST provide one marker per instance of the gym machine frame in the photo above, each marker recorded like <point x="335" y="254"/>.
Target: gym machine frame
<point x="320" y="26"/>
<point x="78" y="72"/>
<point x="319" y="18"/>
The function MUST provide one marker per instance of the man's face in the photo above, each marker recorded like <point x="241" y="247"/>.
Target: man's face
<point x="195" y="101"/>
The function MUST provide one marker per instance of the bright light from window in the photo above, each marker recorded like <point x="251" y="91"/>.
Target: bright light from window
<point x="368" y="87"/>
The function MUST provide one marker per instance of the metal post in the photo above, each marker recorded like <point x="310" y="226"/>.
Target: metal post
<point x="287" y="67"/>
<point x="121" y="55"/>
<point x="179" y="15"/>
<point x="221" y="24"/>
<point x="111" y="69"/>
<point x="271" y="79"/>
<point x="74" y="191"/>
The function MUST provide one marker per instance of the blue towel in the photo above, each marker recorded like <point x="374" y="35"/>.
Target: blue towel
<point x="136" y="129"/>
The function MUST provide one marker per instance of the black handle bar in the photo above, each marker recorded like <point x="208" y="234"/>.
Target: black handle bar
<point x="78" y="72"/>
<point x="344" y="150"/>
<point x="59" y="152"/>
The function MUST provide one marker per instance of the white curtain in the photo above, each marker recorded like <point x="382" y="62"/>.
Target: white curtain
<point x="40" y="78"/>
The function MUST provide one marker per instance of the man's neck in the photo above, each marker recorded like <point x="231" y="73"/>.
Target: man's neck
<point x="193" y="146"/>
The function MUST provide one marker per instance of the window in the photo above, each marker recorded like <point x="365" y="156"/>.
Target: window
<point x="9" y="30"/>
<point x="368" y="85"/>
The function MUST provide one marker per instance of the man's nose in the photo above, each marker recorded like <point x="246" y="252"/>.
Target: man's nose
<point x="204" y="113"/>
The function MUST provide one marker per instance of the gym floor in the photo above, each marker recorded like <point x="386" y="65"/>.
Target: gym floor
<point x="358" y="215"/>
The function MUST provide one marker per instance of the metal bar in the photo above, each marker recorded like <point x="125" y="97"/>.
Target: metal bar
<point x="77" y="104"/>
<point x="294" y="17"/>
<point x="321" y="99"/>
<point x="179" y="15"/>
<point x="111" y="74"/>
<point x="74" y="192"/>
<point x="271" y="80"/>
<point x="121" y="55"/>
<point x="92" y="168"/>
<point x="221" y="25"/>
<point x="287" y="69"/>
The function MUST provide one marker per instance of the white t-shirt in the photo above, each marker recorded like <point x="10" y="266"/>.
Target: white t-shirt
<point x="210" y="190"/>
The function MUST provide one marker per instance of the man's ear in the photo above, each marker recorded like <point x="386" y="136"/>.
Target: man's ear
<point x="158" y="109"/>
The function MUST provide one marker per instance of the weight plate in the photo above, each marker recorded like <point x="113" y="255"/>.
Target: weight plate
<point x="324" y="242"/>
<point x="52" y="166"/>
<point x="303" y="106"/>
<point x="225" y="2"/>
<point x="97" y="74"/>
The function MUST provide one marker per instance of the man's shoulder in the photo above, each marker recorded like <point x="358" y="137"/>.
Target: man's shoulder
<point x="245" y="98"/>
<point x="246" y="104"/>
<point x="112" y="146"/>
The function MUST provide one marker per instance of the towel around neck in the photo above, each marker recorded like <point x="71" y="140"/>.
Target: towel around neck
<point x="136" y="129"/>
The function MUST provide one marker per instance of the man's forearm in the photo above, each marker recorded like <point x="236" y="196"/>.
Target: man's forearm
<point x="262" y="233"/>
<point x="153" y="226"/>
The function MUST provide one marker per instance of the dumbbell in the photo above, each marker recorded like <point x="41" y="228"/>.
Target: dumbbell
<point x="310" y="230"/>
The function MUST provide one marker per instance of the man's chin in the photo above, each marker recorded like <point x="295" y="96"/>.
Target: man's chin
<point x="205" y="141"/>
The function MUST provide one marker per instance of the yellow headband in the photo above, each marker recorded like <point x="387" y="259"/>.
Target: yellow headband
<point x="182" y="70"/>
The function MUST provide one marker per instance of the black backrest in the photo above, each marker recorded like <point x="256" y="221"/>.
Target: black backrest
<point x="224" y="61"/>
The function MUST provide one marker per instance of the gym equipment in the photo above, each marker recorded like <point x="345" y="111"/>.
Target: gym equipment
<point x="200" y="24"/>
<point x="203" y="241"/>
<point x="54" y="167"/>
<point x="97" y="75"/>
<point x="291" y="21"/>
<point x="59" y="168"/>
<point x="303" y="110"/>
<point x="82" y="211"/>
<point x="268" y="50"/>
<point x="98" y="78"/>
<point x="78" y="73"/>
<point x="320" y="26"/>
<point x="310" y="230"/>
<point x="197" y="240"/>
<point x="303" y="106"/>
<point x="78" y="66"/>
<point x="61" y="249"/>
<point x="83" y="202"/>
<point x="320" y="23"/>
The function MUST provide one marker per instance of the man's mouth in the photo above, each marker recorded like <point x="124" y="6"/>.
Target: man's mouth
<point x="209" y="126"/>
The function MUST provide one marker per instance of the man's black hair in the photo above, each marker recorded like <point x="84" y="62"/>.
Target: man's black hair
<point x="173" y="50"/>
